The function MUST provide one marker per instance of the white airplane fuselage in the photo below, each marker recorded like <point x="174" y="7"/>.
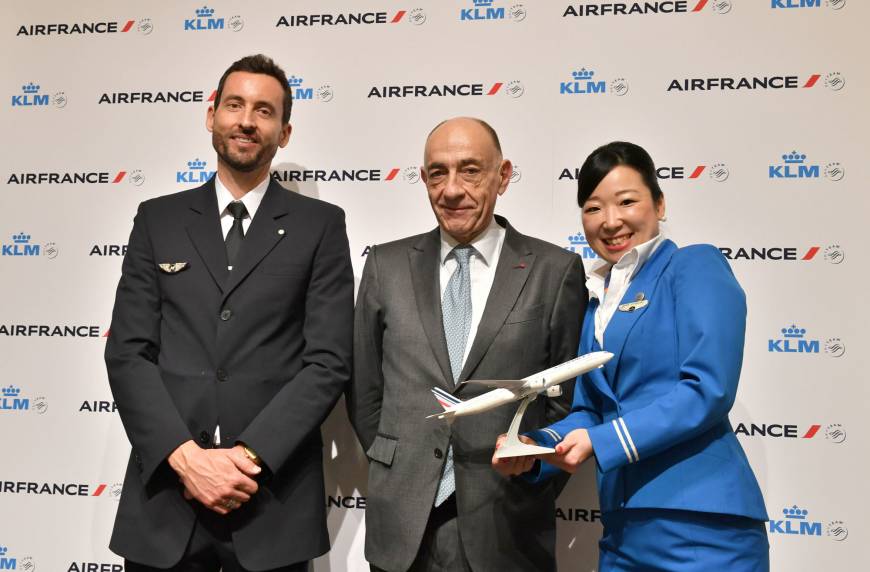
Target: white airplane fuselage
<point x="533" y="384"/>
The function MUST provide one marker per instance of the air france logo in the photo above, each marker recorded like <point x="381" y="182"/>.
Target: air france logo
<point x="832" y="4"/>
<point x="833" y="433"/>
<point x="21" y="246"/>
<point x="143" y="26"/>
<point x="717" y="172"/>
<point x="635" y="8"/>
<point x="484" y="10"/>
<point x="206" y="20"/>
<point x="30" y="97"/>
<point x="195" y="173"/>
<point x="10" y="562"/>
<point x="833" y="254"/>
<point x="415" y="17"/>
<point x="578" y="244"/>
<point x="134" y="177"/>
<point x="584" y="82"/>
<point x="300" y="92"/>
<point x="408" y="174"/>
<point x="513" y="89"/>
<point x="754" y="83"/>
<point x="95" y="567"/>
<point x="794" y="166"/>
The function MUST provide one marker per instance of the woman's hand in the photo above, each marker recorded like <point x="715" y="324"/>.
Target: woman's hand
<point x="574" y="449"/>
<point x="513" y="465"/>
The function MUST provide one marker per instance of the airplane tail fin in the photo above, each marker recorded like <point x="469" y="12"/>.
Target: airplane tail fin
<point x="447" y="401"/>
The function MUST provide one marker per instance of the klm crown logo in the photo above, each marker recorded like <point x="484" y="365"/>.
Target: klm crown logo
<point x="582" y="82"/>
<point x="204" y="20"/>
<point x="795" y="521"/>
<point x="196" y="173"/>
<point x="483" y="10"/>
<point x="30" y="97"/>
<point x="298" y="91"/>
<point x="578" y="244"/>
<point x="793" y="167"/>
<point x="10" y="400"/>
<point x="20" y="246"/>
<point x="793" y="341"/>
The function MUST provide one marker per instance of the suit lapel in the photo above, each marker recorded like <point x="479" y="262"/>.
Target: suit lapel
<point x="514" y="266"/>
<point x="587" y="339"/>
<point x="423" y="259"/>
<point x="206" y="234"/>
<point x="644" y="282"/>
<point x="262" y="236"/>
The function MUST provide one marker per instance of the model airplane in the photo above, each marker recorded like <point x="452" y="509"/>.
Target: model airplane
<point x="509" y="390"/>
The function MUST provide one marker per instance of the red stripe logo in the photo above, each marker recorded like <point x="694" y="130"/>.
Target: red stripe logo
<point x="119" y="176"/>
<point x="495" y="88"/>
<point x="127" y="26"/>
<point x="697" y="172"/>
<point x="99" y="490"/>
<point x="811" y="253"/>
<point x="699" y="6"/>
<point x="106" y="335"/>
<point x="392" y="175"/>
<point x="812" y="81"/>
<point x="212" y="96"/>
<point x="811" y="431"/>
<point x="399" y="15"/>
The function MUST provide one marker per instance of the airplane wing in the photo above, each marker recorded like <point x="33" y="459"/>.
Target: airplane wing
<point x="505" y="383"/>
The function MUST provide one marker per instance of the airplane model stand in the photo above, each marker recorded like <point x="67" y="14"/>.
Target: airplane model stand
<point x="513" y="447"/>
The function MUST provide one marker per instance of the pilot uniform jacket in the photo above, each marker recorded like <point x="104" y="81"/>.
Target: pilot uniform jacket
<point x="263" y="351"/>
<point x="531" y="321"/>
<point x="657" y="412"/>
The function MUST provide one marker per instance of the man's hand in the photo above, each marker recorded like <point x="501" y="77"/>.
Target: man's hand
<point x="217" y="478"/>
<point x="512" y="465"/>
<point x="574" y="449"/>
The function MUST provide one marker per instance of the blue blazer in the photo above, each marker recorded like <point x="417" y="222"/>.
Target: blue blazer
<point x="657" y="413"/>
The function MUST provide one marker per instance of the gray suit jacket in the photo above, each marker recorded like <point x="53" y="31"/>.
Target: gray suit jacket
<point x="531" y="321"/>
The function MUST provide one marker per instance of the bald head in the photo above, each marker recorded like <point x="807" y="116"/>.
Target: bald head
<point x="465" y="174"/>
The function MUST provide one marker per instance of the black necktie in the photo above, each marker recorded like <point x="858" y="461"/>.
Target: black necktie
<point x="237" y="232"/>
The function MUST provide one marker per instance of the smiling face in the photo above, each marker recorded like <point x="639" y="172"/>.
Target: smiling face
<point x="246" y="123"/>
<point x="464" y="174"/>
<point x="620" y="214"/>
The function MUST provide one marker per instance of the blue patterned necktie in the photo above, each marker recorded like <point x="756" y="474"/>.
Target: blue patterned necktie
<point x="456" y="312"/>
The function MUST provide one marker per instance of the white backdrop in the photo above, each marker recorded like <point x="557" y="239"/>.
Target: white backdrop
<point x="564" y="78"/>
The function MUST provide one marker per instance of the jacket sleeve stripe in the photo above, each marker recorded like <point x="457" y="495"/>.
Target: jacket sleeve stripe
<point x="629" y="439"/>
<point x="622" y="441"/>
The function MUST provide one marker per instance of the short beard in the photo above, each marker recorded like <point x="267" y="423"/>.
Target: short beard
<point x="242" y="166"/>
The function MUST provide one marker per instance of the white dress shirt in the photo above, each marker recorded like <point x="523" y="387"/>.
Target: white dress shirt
<point x="487" y="248"/>
<point x="251" y="200"/>
<point x="621" y="275"/>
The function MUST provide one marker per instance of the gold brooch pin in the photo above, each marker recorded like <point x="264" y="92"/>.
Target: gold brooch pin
<point x="172" y="267"/>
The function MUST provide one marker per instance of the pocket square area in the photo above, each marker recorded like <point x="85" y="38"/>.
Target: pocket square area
<point x="172" y="267"/>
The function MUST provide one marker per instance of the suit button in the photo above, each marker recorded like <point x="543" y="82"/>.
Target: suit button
<point x="222" y="374"/>
<point x="204" y="437"/>
<point x="438" y="453"/>
<point x="226" y="314"/>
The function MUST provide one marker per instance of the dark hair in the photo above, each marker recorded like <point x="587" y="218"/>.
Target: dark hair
<point x="486" y="127"/>
<point x="259" y="63"/>
<point x="607" y="157"/>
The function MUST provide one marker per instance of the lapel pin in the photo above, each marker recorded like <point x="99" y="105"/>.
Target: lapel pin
<point x="632" y="306"/>
<point x="281" y="231"/>
<point x="639" y="297"/>
<point x="521" y="265"/>
<point x="172" y="267"/>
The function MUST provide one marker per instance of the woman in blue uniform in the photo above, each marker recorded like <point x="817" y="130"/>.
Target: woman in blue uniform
<point x="675" y="487"/>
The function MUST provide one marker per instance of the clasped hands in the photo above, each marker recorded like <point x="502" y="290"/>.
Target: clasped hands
<point x="570" y="453"/>
<point x="221" y="479"/>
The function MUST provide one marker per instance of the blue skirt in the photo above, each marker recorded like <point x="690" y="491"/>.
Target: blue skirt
<point x="653" y="540"/>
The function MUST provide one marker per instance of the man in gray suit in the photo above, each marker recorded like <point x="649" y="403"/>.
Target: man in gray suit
<point x="472" y="298"/>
